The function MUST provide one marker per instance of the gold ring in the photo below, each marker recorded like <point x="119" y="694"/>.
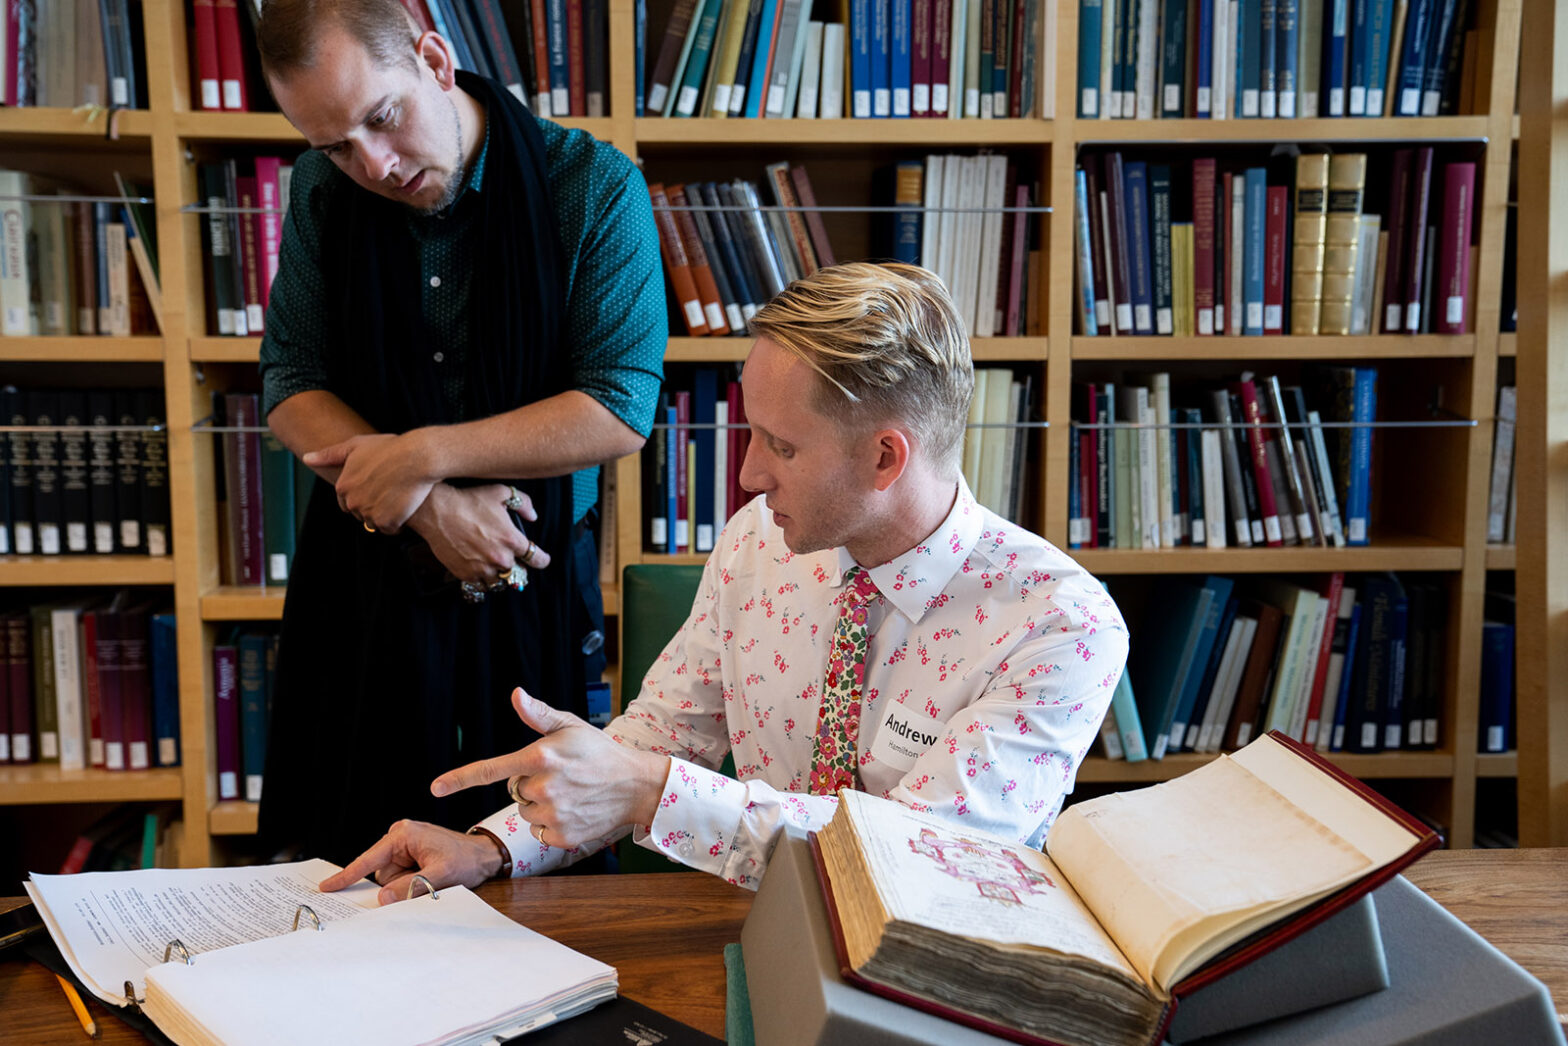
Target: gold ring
<point x="371" y="527"/>
<point x="528" y="553"/>
<point x="539" y="834"/>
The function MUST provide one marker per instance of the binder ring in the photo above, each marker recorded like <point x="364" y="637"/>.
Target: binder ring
<point x="306" y="909"/>
<point x="184" y="952"/>
<point x="415" y="881"/>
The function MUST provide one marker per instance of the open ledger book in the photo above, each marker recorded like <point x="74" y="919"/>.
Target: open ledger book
<point x="1144" y="896"/>
<point x="444" y="969"/>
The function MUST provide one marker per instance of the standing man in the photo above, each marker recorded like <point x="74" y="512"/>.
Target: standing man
<point x="865" y="623"/>
<point x="468" y="319"/>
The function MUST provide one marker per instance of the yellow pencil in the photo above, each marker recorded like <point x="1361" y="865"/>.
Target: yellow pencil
<point x="89" y="1025"/>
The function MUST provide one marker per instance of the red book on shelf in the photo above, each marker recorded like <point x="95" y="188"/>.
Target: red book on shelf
<point x="1089" y="465"/>
<point x="739" y="440"/>
<point x="1224" y="308"/>
<point x="1257" y="440"/>
<point x="676" y="264"/>
<point x="1015" y="63"/>
<point x="941" y="56"/>
<point x="1452" y="290"/>
<point x="231" y="56"/>
<point x="541" y="45"/>
<point x="110" y="703"/>
<point x="697" y="257"/>
<point x="250" y="252"/>
<point x="808" y="200"/>
<point x="1274" y="260"/>
<point x="270" y="222"/>
<point x="1415" y="235"/>
<point x="920" y="58"/>
<point x="205" y="32"/>
<point x="1329" y="588"/>
<point x="683" y="506"/>
<point x="1203" y="173"/>
<point x="576" y="65"/>
<point x="226" y="718"/>
<point x="1116" y="212"/>
<point x="91" y="691"/>
<point x="1400" y="169"/>
<point x="136" y="686"/>
<point x="1017" y="264"/>
<point x="19" y="672"/>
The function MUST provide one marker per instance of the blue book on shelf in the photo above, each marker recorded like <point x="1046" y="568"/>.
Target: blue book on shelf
<point x="859" y="56"/>
<point x="165" y="691"/>
<point x="1219" y="589"/>
<point x="1074" y="496"/>
<point x="1173" y="61"/>
<point x="253" y="711"/>
<point x="1159" y="671"/>
<point x="1160" y="229"/>
<point x="1347" y="674"/>
<point x="1445" y="23"/>
<point x="640" y="16"/>
<point x="1120" y="34"/>
<point x="1380" y="16"/>
<point x="689" y="90"/>
<point x="1249" y="57"/>
<point x="1412" y="60"/>
<point x="1210" y="671"/>
<point x="1197" y="508"/>
<point x="1086" y="275"/>
<point x="1255" y="218"/>
<point x="899" y="68"/>
<point x="1268" y="57"/>
<point x="881" y="58"/>
<point x="1358" y="493"/>
<point x="1128" y="724"/>
<point x="1369" y="688"/>
<point x="1287" y="36"/>
<point x="1398" y="670"/>
<point x="705" y="386"/>
<point x="1090" y="15"/>
<point x="1335" y="38"/>
<point x="1135" y="181"/>
<point x="1203" y="75"/>
<point x="560" y="91"/>
<point x="757" y="83"/>
<point x="1497" y="687"/>
<point x="1360" y="50"/>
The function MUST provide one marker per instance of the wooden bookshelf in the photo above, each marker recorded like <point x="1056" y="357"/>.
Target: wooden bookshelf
<point x="167" y="135"/>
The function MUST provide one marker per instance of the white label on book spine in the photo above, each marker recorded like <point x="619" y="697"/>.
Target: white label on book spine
<point x="1205" y="321"/>
<point x="1163" y="323"/>
<point x="1356" y="532"/>
<point x="704" y="537"/>
<point x="1358" y="101"/>
<point x="1391" y="736"/>
<point x="209" y="95"/>
<point x="1495" y="739"/>
<point x="1456" y="309"/>
<point x="987" y="105"/>
<point x="277" y="567"/>
<point x="1391" y="317"/>
<point x="1374" y="101"/>
<point x="1336" y="101"/>
<point x="1287" y="105"/>
<point x="1271" y="531"/>
<point x="682" y="539"/>
<point x="22" y="748"/>
<point x="1243" y="532"/>
<point x="775" y="100"/>
<point x="228" y="785"/>
<point x="54" y="315"/>
<point x="881" y="101"/>
<point x="1368" y="735"/>
<point x="1266" y="102"/>
<point x="1429" y="731"/>
<point x="1273" y="317"/>
<point x="737" y="99"/>
<point x="900" y="101"/>
<point x="1410" y="102"/>
<point x="560" y="101"/>
<point x="253" y="316"/>
<point x="120" y="91"/>
<point x="76" y="537"/>
<point x="737" y="321"/>
<point x="24" y="538"/>
<point x="721" y="98"/>
<point x="1091" y="101"/>
<point x="806" y="106"/>
<point x="714" y="315"/>
<point x="1102" y="313"/>
<point x="1141" y="316"/>
<point x="972" y="102"/>
<point x="1254" y="314"/>
<point x="15" y="320"/>
<point x="103" y="538"/>
<point x="1312" y="733"/>
<point x="693" y="311"/>
<point x="253" y="788"/>
<point x="1159" y="747"/>
<point x="1199" y="534"/>
<point x="920" y="98"/>
<point x="95" y="751"/>
<point x="130" y="533"/>
<point x="138" y="751"/>
<point x="168" y="751"/>
<point x="1413" y="734"/>
<point x="1309" y="106"/>
<point x="49" y="539"/>
<point x="231" y="95"/>
<point x="114" y="755"/>
<point x="656" y="98"/>
<point x="48" y="745"/>
<point x="686" y="104"/>
<point x="1430" y="101"/>
<point x="1304" y="525"/>
<point x="1413" y="317"/>
<point x="1172" y="98"/>
<point x="1249" y="102"/>
<point x="1243" y="734"/>
<point x="903" y="735"/>
<point x="1124" y="316"/>
<point x="5" y="747"/>
<point x="862" y="102"/>
<point x="1203" y="101"/>
<point x="939" y="98"/>
<point x="658" y="536"/>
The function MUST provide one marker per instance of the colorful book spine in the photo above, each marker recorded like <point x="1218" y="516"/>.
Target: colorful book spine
<point x="1453" y="253"/>
<point x="1307" y="243"/>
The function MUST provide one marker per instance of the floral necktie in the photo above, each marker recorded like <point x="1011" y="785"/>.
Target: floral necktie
<point x="833" y="761"/>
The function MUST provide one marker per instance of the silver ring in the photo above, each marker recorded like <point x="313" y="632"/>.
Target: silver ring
<point x="515" y="579"/>
<point x="473" y="592"/>
<point x="514" y="501"/>
<point x="539" y="834"/>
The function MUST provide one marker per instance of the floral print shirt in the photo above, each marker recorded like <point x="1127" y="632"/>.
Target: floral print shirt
<point x="992" y="661"/>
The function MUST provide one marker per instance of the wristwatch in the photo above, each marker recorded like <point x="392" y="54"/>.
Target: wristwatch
<point x="500" y="847"/>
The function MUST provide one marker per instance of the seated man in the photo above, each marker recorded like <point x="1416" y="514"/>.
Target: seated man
<point x="864" y="623"/>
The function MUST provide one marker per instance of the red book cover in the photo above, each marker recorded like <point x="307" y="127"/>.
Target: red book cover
<point x="113" y="708"/>
<point x="1393" y="319"/>
<point x="920" y="58"/>
<point x="19" y="670"/>
<point x="136" y="688"/>
<point x="541" y="43"/>
<point x="1097" y="248"/>
<point x="808" y="200"/>
<point x="270" y="221"/>
<point x="1015" y="63"/>
<point x="941" y="56"/>
<point x="659" y="85"/>
<point x="1088" y="465"/>
<point x="683" y="506"/>
<point x="739" y="440"/>
<point x="701" y="271"/>
<point x="226" y="718"/>
<point x="1415" y="236"/>
<point x="1329" y="589"/>
<point x="575" y="62"/>
<point x="250" y="251"/>
<point x="1225" y="310"/>
<point x="205" y="31"/>
<point x="1121" y="275"/>
<point x="242" y="475"/>
<point x="1274" y="260"/>
<point x="1452" y="290"/>
<point x="1016" y="264"/>
<point x="1221" y="249"/>
<point x="1004" y="259"/>
<point x="1203" y="173"/>
<point x="1257" y="440"/>
<point x="231" y="56"/>
<point x="676" y="264"/>
<point x="92" y="693"/>
<point x="5" y="699"/>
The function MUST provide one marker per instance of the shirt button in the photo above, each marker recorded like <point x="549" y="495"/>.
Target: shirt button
<point x="435" y="281"/>
<point x="439" y="357"/>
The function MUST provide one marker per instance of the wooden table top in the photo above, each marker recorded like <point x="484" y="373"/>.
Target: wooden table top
<point x="665" y="934"/>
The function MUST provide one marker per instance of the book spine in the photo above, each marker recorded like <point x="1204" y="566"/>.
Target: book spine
<point x="1140" y="249"/>
<point x="1173" y="60"/>
<point x="44" y="409"/>
<point x="697" y="61"/>
<point x="208" y="78"/>
<point x="1090" y="13"/>
<point x="231" y="56"/>
<point x="1258" y="452"/>
<point x="1418" y="20"/>
<point x="1308" y="237"/>
<point x="165" y="690"/>
<point x="676" y="263"/>
<point x="252" y="653"/>
<point x="1203" y="186"/>
<point x="1346" y="182"/>
<point x="1399" y="201"/>
<point x="1453" y="257"/>
<point x="136" y="689"/>
<point x="1254" y="250"/>
<point x="226" y="719"/>
<point x="1160" y="228"/>
<point x="1358" y="502"/>
<point x="1274" y="260"/>
<point x="702" y="272"/>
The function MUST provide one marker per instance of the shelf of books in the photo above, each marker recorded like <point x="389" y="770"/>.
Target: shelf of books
<point x="1270" y="209"/>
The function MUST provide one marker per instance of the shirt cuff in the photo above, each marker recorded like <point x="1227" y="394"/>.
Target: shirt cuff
<point x="529" y="855"/>
<point x="699" y="818"/>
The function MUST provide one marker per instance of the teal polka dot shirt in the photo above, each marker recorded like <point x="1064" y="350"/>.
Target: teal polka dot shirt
<point x="615" y="322"/>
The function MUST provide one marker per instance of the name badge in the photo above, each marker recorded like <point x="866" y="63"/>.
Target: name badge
<point x="903" y="734"/>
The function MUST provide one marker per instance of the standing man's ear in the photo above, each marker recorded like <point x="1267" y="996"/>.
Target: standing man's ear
<point x="893" y="451"/>
<point x="436" y="54"/>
